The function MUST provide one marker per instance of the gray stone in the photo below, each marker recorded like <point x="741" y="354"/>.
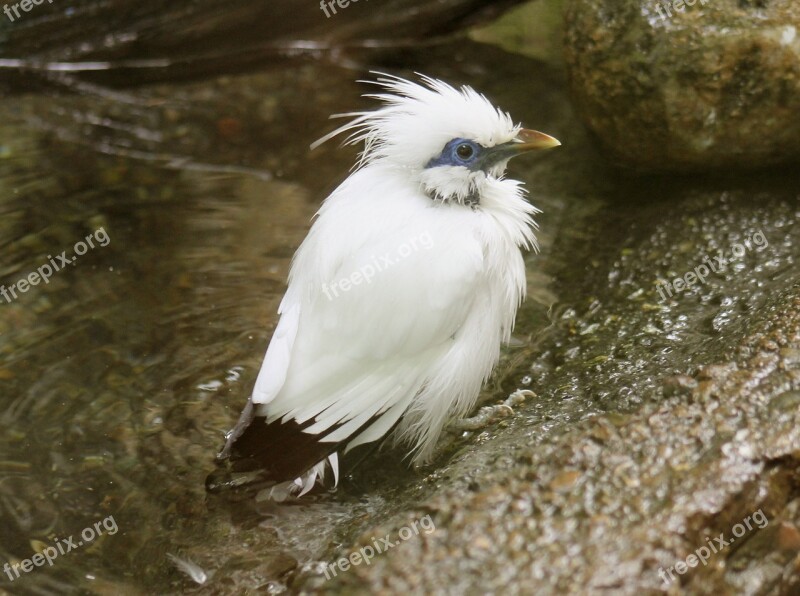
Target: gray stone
<point x="712" y="85"/>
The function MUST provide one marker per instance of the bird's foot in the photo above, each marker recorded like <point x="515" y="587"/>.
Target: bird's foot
<point x="489" y="414"/>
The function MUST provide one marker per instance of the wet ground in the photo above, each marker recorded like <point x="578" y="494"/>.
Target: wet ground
<point x="120" y="375"/>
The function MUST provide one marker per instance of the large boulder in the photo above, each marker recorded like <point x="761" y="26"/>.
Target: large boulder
<point x="686" y="85"/>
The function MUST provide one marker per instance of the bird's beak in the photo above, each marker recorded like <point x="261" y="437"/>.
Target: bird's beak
<point x="532" y="140"/>
<point x="526" y="140"/>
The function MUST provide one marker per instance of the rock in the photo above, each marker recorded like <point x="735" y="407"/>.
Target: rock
<point x="788" y="537"/>
<point x="713" y="84"/>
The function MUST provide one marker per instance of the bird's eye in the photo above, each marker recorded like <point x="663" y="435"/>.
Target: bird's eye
<point x="465" y="151"/>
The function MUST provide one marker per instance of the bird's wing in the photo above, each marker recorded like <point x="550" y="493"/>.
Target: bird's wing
<point x="377" y="293"/>
<point x="360" y="347"/>
<point x="345" y="358"/>
<point x="272" y="375"/>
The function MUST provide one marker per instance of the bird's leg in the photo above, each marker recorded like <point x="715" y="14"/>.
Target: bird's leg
<point x="245" y="419"/>
<point x="490" y="414"/>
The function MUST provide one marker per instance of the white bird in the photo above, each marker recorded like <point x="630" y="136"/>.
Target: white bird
<point x="404" y="289"/>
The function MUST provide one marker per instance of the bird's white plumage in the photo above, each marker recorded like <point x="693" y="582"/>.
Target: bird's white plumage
<point x="416" y="343"/>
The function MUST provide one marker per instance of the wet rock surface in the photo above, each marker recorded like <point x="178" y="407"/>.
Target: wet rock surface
<point x="707" y="85"/>
<point x="654" y="424"/>
<point x="616" y="499"/>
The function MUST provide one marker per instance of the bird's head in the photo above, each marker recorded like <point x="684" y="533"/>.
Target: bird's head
<point x="451" y="141"/>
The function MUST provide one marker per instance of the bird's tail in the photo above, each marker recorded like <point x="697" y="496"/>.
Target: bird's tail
<point x="275" y="455"/>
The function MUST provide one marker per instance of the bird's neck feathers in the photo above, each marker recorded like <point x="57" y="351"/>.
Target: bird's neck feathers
<point x="504" y="201"/>
<point x="453" y="185"/>
<point x="500" y="201"/>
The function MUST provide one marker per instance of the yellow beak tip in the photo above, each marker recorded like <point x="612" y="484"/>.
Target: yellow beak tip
<point x="530" y="140"/>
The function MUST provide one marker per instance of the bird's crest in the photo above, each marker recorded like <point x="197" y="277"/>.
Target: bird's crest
<point x="416" y="120"/>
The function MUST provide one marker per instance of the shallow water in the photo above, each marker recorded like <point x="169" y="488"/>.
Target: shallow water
<point x="121" y="374"/>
